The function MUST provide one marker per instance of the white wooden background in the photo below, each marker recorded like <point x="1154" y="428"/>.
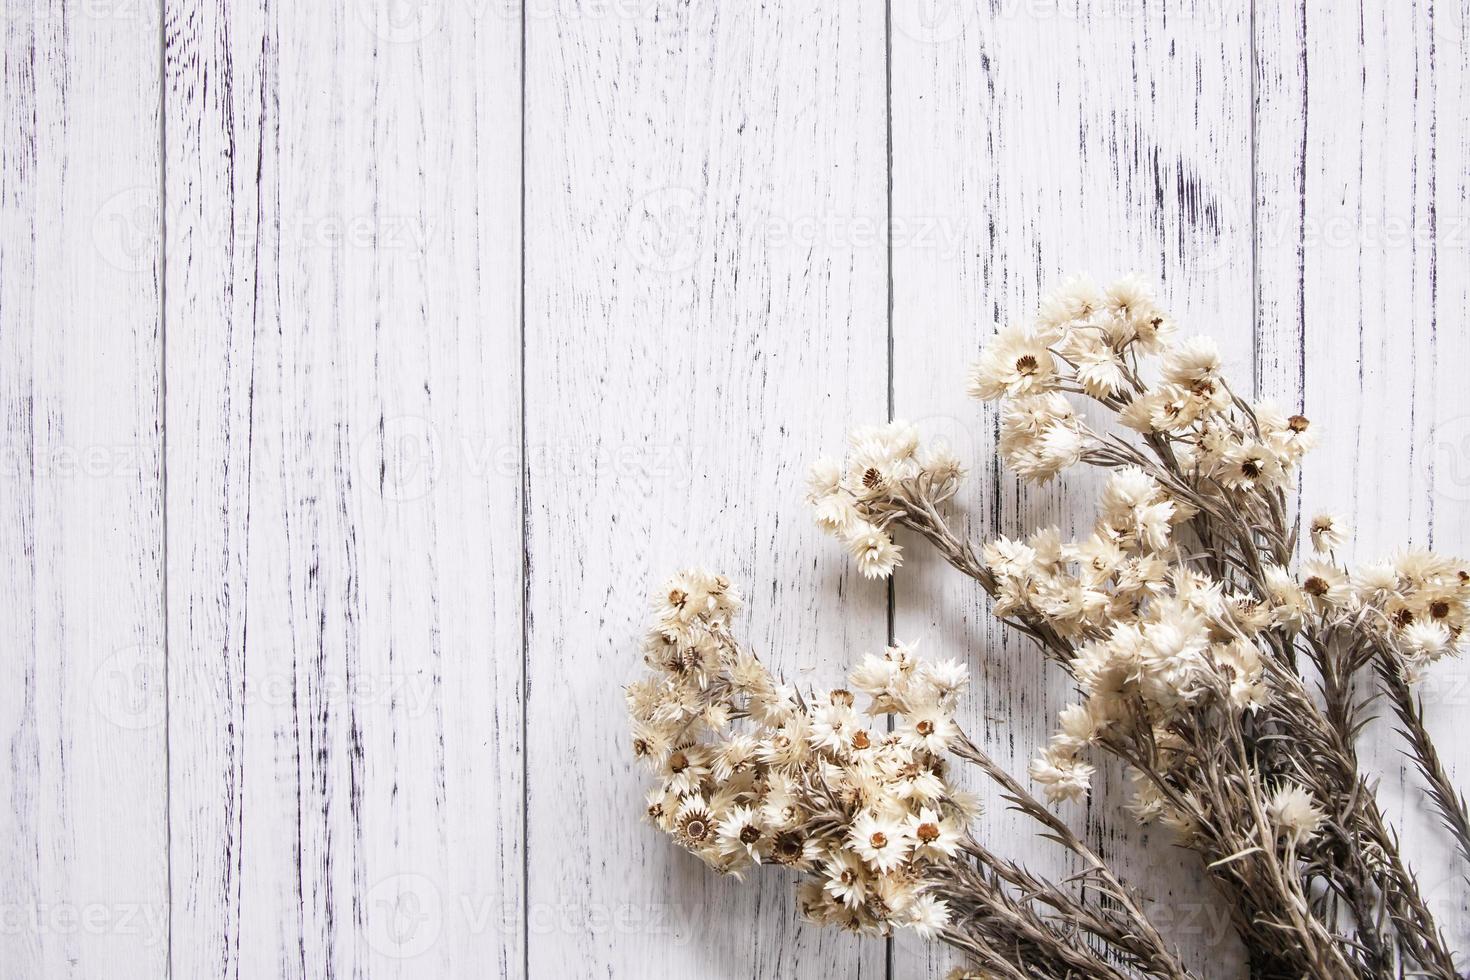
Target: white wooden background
<point x="363" y="363"/>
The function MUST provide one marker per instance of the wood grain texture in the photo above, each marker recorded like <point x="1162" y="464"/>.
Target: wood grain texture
<point x="1043" y="140"/>
<point x="1363" y="237"/>
<point x="344" y="537"/>
<point x="705" y="310"/>
<point x="83" y="879"/>
<point x="306" y="524"/>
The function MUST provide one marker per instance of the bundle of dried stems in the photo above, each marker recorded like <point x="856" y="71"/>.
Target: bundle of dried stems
<point x="1230" y="679"/>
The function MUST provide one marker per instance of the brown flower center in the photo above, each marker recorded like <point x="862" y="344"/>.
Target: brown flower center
<point x="842" y="697"/>
<point x="1316" y="585"/>
<point x="677" y="598"/>
<point x="1251" y="468"/>
<point x="678" y="762"/>
<point x="788" y="847"/>
<point x="878" y="840"/>
<point x="1026" y="364"/>
<point x="696" y="829"/>
<point x="1403" y="618"/>
<point x="1298" y="423"/>
<point x="927" y="833"/>
<point x="872" y="478"/>
<point x="925" y="728"/>
<point x="749" y="834"/>
<point x="860" y="740"/>
<point x="1439" y="609"/>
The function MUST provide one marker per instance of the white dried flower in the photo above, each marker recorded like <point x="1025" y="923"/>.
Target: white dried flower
<point x="1329" y="532"/>
<point x="881" y="841"/>
<point x="1062" y="776"/>
<point x="1015" y="362"/>
<point x="1193" y="362"/>
<point x="927" y="916"/>
<point x="1076" y="300"/>
<point x="1295" y="813"/>
<point x="876" y="554"/>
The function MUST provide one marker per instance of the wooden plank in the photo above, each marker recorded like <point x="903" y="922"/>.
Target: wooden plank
<point x="706" y="310"/>
<point x="1363" y="240"/>
<point x="1035" y="141"/>
<point x="83" y="880"/>
<point x="344" y="454"/>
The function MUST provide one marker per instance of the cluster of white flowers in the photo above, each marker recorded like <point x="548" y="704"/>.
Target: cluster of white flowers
<point x="1151" y="635"/>
<point x="881" y="460"/>
<point x="1418" y="602"/>
<point x="1185" y="616"/>
<point x="1099" y="341"/>
<point x="750" y="772"/>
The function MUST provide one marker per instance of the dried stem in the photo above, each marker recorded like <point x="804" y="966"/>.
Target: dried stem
<point x="1410" y="712"/>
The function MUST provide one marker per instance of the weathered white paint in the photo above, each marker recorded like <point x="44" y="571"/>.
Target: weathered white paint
<point x="1363" y="243"/>
<point x="381" y="533"/>
<point x="1040" y="141"/>
<point x="695" y="328"/>
<point x="343" y="460"/>
<point x="83" y="820"/>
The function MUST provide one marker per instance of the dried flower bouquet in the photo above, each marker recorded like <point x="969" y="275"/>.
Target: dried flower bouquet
<point x="751" y="772"/>
<point x="1231" y="681"/>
